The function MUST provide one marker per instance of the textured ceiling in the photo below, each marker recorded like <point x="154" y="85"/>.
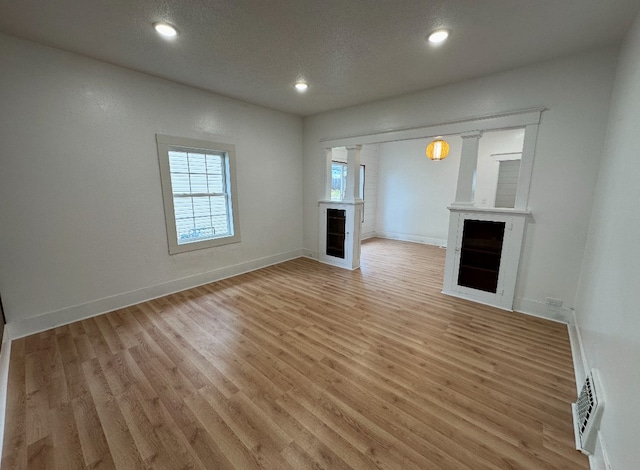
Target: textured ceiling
<point x="350" y="51"/>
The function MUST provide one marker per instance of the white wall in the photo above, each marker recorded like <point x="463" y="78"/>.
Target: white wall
<point x="608" y="300"/>
<point x="576" y="90"/>
<point x="414" y="192"/>
<point x="81" y="206"/>
<point x="491" y="143"/>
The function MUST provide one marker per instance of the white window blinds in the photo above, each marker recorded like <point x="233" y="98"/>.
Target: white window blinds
<point x="200" y="198"/>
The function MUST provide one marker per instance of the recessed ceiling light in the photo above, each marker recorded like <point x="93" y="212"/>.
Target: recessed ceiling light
<point x="165" y="29"/>
<point x="438" y="36"/>
<point x="301" y="86"/>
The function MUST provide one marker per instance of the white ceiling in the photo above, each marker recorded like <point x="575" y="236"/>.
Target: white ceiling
<point x="350" y="51"/>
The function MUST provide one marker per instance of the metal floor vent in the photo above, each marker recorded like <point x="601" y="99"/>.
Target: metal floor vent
<point x="587" y="412"/>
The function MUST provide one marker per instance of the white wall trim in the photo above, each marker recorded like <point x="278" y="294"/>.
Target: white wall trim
<point x="577" y="350"/>
<point x="405" y="237"/>
<point x="508" y="156"/>
<point x="366" y="236"/>
<point x="310" y="254"/>
<point x="45" y="321"/>
<point x="5" y="355"/>
<point x="453" y="293"/>
<point x="540" y="309"/>
<point x="600" y="459"/>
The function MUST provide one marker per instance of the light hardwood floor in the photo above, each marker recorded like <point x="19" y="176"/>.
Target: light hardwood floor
<point x="296" y="366"/>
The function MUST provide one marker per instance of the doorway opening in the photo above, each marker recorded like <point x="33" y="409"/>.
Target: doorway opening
<point x="407" y="197"/>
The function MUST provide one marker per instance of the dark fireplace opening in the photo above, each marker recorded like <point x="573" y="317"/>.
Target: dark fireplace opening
<point x="480" y="255"/>
<point x="336" y="222"/>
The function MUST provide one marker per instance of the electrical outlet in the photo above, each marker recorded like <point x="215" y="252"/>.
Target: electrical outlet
<point x="551" y="302"/>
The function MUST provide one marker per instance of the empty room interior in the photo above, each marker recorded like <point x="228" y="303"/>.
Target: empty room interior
<point x="325" y="235"/>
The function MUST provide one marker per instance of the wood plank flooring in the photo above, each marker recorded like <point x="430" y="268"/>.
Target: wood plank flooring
<point x="298" y="366"/>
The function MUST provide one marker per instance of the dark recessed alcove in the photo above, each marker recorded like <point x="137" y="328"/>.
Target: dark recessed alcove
<point x="336" y="221"/>
<point x="480" y="255"/>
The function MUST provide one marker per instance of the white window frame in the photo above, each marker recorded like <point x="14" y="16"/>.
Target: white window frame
<point x="165" y="144"/>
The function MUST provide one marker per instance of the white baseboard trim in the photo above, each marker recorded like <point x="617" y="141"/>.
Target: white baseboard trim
<point x="460" y="296"/>
<point x="577" y="351"/>
<point x="542" y="310"/>
<point x="5" y="355"/>
<point x="600" y="459"/>
<point x="367" y="235"/>
<point x="53" y="319"/>
<point x="310" y="254"/>
<point x="411" y="238"/>
<point x="603" y="452"/>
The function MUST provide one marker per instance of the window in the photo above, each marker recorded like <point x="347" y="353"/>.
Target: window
<point x="199" y="192"/>
<point x="339" y="181"/>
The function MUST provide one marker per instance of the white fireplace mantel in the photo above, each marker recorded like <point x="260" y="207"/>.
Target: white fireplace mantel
<point x="495" y="210"/>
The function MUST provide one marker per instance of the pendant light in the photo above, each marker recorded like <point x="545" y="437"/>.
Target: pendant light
<point x="437" y="150"/>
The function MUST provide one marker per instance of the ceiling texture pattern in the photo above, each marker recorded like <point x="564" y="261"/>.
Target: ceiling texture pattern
<point x="349" y="51"/>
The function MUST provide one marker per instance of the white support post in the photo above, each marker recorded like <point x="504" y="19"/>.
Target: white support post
<point x="468" y="164"/>
<point x="327" y="173"/>
<point x="352" y="193"/>
<point x="526" y="166"/>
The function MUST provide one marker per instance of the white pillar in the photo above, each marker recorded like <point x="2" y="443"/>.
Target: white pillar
<point x="468" y="164"/>
<point x="352" y="193"/>
<point x="526" y="166"/>
<point x="327" y="173"/>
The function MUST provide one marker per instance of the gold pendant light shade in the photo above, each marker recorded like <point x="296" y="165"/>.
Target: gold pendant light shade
<point x="438" y="150"/>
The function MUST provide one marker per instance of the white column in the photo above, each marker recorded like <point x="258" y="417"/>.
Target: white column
<point x="468" y="164"/>
<point x="526" y="166"/>
<point x="327" y="173"/>
<point x="352" y="193"/>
